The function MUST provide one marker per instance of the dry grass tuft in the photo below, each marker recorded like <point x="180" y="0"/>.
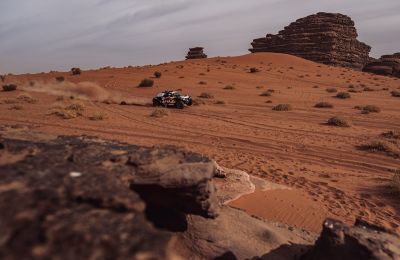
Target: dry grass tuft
<point x="229" y="87"/>
<point x="254" y="70"/>
<point x="370" y="109"/>
<point x="331" y="90"/>
<point x="70" y="111"/>
<point x="146" y="83"/>
<point x="339" y="121"/>
<point x="393" y="134"/>
<point x="206" y="95"/>
<point x="159" y="113"/>
<point x="157" y="74"/>
<point x="266" y="94"/>
<point x="343" y="95"/>
<point x="220" y="102"/>
<point x="323" y="105"/>
<point x="396" y="180"/>
<point x="389" y="148"/>
<point x="395" y="93"/>
<point x="198" y="102"/>
<point x="99" y="116"/>
<point x="27" y="98"/>
<point x="282" y="107"/>
<point x="9" y="87"/>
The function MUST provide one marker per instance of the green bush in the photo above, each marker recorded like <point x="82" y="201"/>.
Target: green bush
<point x="157" y="74"/>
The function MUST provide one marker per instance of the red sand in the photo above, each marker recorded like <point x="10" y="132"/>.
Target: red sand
<point x="296" y="148"/>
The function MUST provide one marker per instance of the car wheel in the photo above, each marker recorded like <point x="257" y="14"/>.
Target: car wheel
<point x="179" y="105"/>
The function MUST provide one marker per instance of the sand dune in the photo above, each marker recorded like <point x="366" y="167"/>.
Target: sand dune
<point x="321" y="164"/>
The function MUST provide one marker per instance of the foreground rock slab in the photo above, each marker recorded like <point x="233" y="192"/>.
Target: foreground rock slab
<point x="82" y="198"/>
<point x="360" y="242"/>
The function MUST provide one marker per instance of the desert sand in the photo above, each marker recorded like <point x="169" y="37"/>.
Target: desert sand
<point x="323" y="171"/>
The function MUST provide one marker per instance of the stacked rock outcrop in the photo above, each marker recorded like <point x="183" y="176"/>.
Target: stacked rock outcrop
<point x="196" y="53"/>
<point x="323" y="37"/>
<point x="387" y="65"/>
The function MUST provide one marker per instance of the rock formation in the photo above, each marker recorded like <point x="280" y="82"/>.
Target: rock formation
<point x="387" y="65"/>
<point x="323" y="37"/>
<point x="362" y="241"/>
<point x="196" y="53"/>
<point x="79" y="198"/>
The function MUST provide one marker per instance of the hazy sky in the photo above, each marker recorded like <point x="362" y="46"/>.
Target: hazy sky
<point x="43" y="35"/>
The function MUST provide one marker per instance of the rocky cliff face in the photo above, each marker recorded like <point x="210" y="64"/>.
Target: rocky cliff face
<point x="323" y="37"/>
<point x="387" y="65"/>
<point x="196" y="53"/>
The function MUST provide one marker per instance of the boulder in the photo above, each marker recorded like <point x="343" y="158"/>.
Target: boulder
<point x="83" y="198"/>
<point x="363" y="241"/>
<point x="323" y="37"/>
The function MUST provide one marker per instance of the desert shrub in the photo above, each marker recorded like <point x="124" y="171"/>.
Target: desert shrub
<point x="343" y="95"/>
<point x="268" y="101"/>
<point x="353" y="91"/>
<point x="331" y="90"/>
<point x="159" y="112"/>
<point x="3" y="78"/>
<point x="98" y="116"/>
<point x="202" y="74"/>
<point x="202" y="83"/>
<point x="26" y="98"/>
<point x="157" y="74"/>
<point x="206" y="95"/>
<point x="76" y="71"/>
<point x="339" y="121"/>
<point x="266" y="94"/>
<point x="282" y="107"/>
<point x="70" y="111"/>
<point x="395" y="93"/>
<point x="60" y="79"/>
<point x="9" y="87"/>
<point x="146" y="83"/>
<point x="323" y="105"/>
<point x="384" y="146"/>
<point x="254" y="70"/>
<point x="229" y="87"/>
<point x="220" y="102"/>
<point x="370" y="109"/>
<point x="368" y="89"/>
<point x="393" y="134"/>
<point x="77" y="107"/>
<point x="198" y="102"/>
<point x="16" y="107"/>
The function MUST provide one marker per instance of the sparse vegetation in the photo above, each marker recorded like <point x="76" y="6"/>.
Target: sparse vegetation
<point x="70" y="111"/>
<point x="60" y="79"/>
<point x="9" y="87"/>
<point x="202" y="83"/>
<point x="282" y="107"/>
<point x="254" y="70"/>
<point x="368" y="89"/>
<point x="76" y="71"/>
<point x="3" y="78"/>
<point x="146" y="83"/>
<point x="395" y="93"/>
<point x="266" y="94"/>
<point x="384" y="146"/>
<point x="396" y="180"/>
<point x="157" y="74"/>
<point x="159" y="112"/>
<point x="343" y="95"/>
<point x="206" y="95"/>
<point x="220" y="102"/>
<point x="370" y="109"/>
<point x="99" y="116"/>
<point x="229" y="87"/>
<point x="393" y="134"/>
<point x="331" y="90"/>
<point x="339" y="121"/>
<point x="323" y="105"/>
<point x="26" y="98"/>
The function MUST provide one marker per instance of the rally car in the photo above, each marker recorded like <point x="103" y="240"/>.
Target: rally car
<point x="172" y="99"/>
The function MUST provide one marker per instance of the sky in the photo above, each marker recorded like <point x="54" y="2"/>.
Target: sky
<point x="44" y="35"/>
